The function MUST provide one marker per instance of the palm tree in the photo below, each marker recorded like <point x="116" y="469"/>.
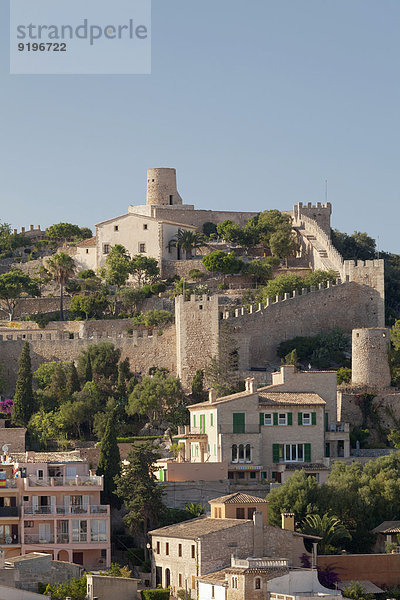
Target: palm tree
<point x="187" y="240"/>
<point x="327" y="527"/>
<point x="195" y="509"/>
<point x="62" y="267"/>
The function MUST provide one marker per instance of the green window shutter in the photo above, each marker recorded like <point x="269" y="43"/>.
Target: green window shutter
<point x="212" y="419"/>
<point x="261" y="418"/>
<point x="326" y="422"/>
<point x="202" y="423"/>
<point x="275" y="453"/>
<point x="327" y="449"/>
<point x="300" y="418"/>
<point x="194" y="420"/>
<point x="307" y="452"/>
<point x="161" y="474"/>
<point x="275" y="418"/>
<point x="290" y="419"/>
<point x="238" y="423"/>
<point x="314" y="418"/>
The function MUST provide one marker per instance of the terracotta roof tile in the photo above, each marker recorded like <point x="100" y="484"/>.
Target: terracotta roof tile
<point x="197" y="528"/>
<point x="238" y="498"/>
<point x="285" y="398"/>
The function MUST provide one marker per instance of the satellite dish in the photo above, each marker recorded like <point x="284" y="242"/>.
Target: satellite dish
<point x="5" y="448"/>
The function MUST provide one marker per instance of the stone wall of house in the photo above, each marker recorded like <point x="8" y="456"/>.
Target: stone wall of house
<point x="28" y="572"/>
<point x="181" y="267"/>
<point x="386" y="405"/>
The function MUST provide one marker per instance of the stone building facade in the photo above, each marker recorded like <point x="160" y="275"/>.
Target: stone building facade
<point x="267" y="433"/>
<point x="183" y="553"/>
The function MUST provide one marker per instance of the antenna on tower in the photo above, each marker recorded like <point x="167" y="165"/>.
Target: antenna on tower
<point x="326" y="191"/>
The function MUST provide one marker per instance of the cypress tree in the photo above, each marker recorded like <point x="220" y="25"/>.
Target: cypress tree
<point x="72" y="384"/>
<point x="109" y="462"/>
<point x="24" y="400"/>
<point x="89" y="370"/>
<point x="58" y="382"/>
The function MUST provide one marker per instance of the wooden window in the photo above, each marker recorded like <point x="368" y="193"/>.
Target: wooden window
<point x="238" y="422"/>
<point x="193" y="582"/>
<point x="106" y="248"/>
<point x="167" y="548"/>
<point x="158" y="547"/>
<point x="193" y="551"/>
<point x="240" y="513"/>
<point x="179" y="549"/>
<point x="212" y="592"/>
<point x="257" y="583"/>
<point x="142" y="247"/>
<point x="180" y="579"/>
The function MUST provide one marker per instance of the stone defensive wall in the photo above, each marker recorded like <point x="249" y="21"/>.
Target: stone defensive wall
<point x="143" y="349"/>
<point x="188" y="216"/>
<point x="259" y="329"/>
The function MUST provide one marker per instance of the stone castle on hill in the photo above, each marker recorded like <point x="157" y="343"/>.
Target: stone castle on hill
<point x="354" y="300"/>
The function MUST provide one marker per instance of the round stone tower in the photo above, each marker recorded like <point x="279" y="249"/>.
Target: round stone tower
<point x="370" y="364"/>
<point x="161" y="188"/>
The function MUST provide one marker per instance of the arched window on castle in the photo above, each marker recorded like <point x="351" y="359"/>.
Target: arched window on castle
<point x="241" y="453"/>
<point x="234" y="453"/>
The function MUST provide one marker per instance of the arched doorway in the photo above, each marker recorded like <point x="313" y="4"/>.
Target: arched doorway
<point x="63" y="555"/>
<point x="167" y="578"/>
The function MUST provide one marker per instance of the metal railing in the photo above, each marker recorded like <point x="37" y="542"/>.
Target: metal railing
<point x="9" y="540"/>
<point x="71" y="509"/>
<point x="36" y="538"/>
<point x="9" y="511"/>
<point x="79" y="480"/>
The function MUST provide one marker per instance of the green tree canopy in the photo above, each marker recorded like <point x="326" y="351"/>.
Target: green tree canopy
<point x="329" y="528"/>
<point x="109" y="462"/>
<point x="157" y="397"/>
<point x="144" y="269"/>
<point x="117" y="267"/>
<point x="67" y="231"/>
<point x="219" y="261"/>
<point x="24" y="399"/>
<point x="89" y="307"/>
<point x="62" y="267"/>
<point x="259" y="270"/>
<point x="139" y="490"/>
<point x="14" y="285"/>
<point x="103" y="358"/>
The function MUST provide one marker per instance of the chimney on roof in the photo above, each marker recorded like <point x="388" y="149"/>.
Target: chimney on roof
<point x="288" y="521"/>
<point x="250" y="385"/>
<point x="22" y="229"/>
<point x="258" y="534"/>
<point x="30" y="227"/>
<point x="212" y="395"/>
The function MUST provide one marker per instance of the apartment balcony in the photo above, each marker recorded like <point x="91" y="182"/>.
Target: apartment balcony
<point x="9" y="511"/>
<point x="54" y="511"/>
<point x="36" y="538"/>
<point x="337" y="431"/>
<point x="8" y="483"/>
<point x="10" y="540"/>
<point x="63" y="538"/>
<point x="68" y="482"/>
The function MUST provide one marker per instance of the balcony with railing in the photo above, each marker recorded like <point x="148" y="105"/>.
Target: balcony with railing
<point x="37" y="538"/>
<point x="79" y="509"/>
<point x="9" y="511"/>
<point x="8" y="483"/>
<point x="64" y="538"/>
<point x="68" y="482"/>
<point x="9" y="540"/>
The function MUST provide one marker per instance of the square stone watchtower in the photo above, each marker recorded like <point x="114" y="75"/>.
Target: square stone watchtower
<point x="197" y="328"/>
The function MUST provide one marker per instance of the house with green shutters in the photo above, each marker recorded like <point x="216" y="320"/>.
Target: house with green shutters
<point x="268" y="433"/>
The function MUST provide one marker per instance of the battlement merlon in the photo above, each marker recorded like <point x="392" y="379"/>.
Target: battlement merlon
<point x="366" y="272"/>
<point x="320" y="213"/>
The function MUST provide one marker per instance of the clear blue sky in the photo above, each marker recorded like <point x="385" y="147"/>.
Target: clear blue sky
<point x="255" y="102"/>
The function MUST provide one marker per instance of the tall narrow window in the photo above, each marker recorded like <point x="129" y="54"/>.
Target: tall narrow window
<point x="248" y="453"/>
<point x="234" y="453"/>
